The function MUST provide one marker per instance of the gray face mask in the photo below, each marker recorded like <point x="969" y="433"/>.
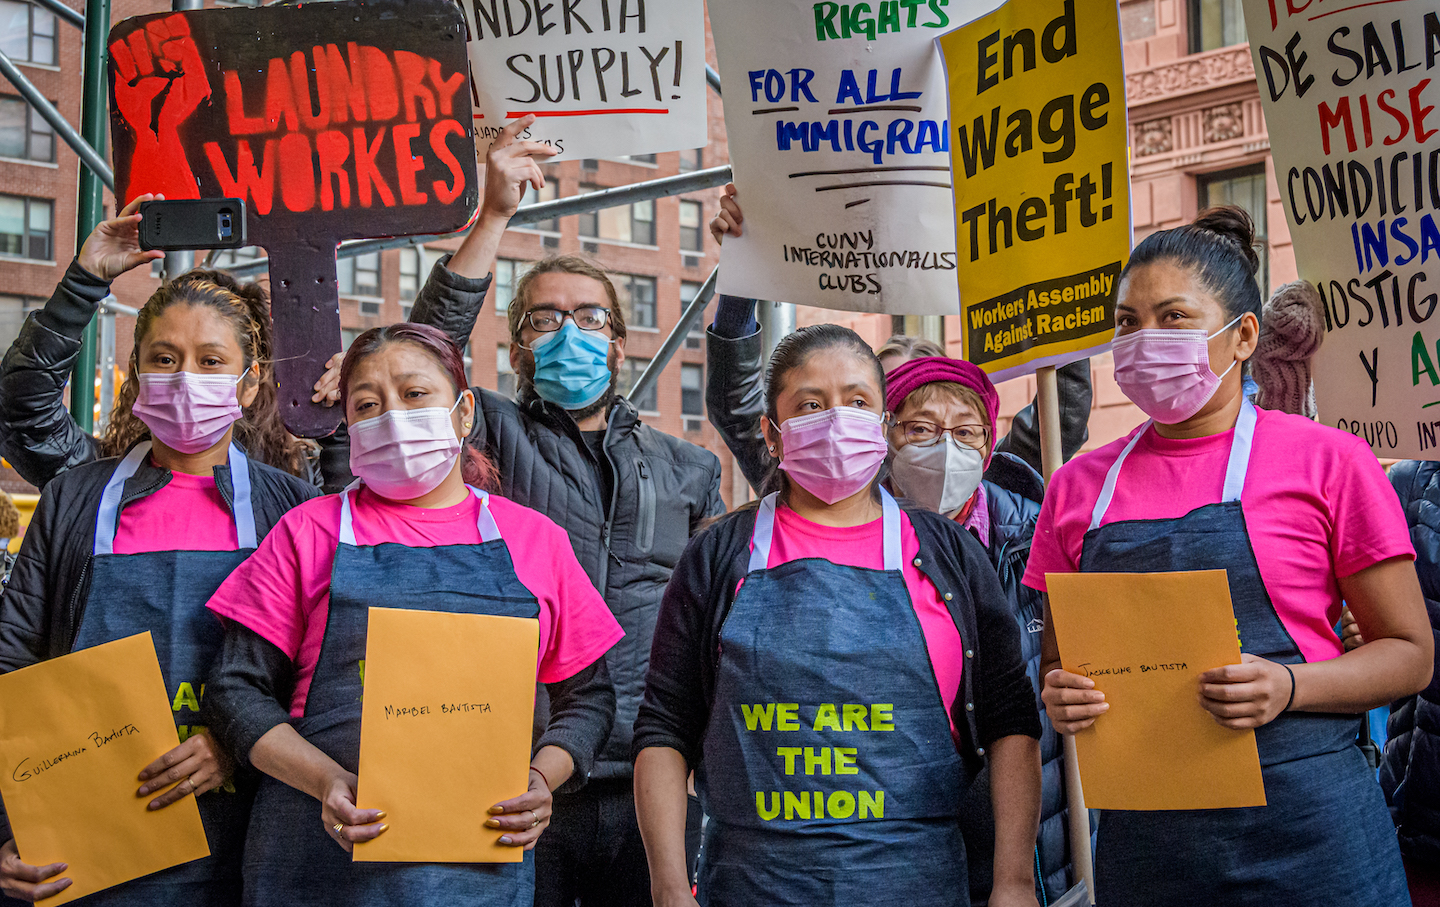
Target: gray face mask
<point x="940" y="476"/>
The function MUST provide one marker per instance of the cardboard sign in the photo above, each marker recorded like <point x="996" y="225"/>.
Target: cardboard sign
<point x="332" y="121"/>
<point x="1042" y="190"/>
<point x="1145" y="639"/>
<point x="1350" y="100"/>
<point x="435" y="709"/>
<point x="74" y="734"/>
<point x="840" y="136"/>
<point x="606" y="77"/>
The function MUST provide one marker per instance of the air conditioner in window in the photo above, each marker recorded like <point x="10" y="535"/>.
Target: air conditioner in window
<point x="591" y="248"/>
<point x="693" y="425"/>
<point x="550" y="242"/>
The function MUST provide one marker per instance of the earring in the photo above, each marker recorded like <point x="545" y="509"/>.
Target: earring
<point x="466" y="425"/>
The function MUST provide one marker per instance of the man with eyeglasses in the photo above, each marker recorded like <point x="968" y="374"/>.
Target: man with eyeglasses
<point x="571" y="446"/>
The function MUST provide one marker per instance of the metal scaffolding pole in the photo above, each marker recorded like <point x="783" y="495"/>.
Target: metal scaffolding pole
<point x="776" y="320"/>
<point x="93" y="119"/>
<point x="62" y="127"/>
<point x="64" y="12"/>
<point x="533" y="214"/>
<point x="180" y="261"/>
<point x="712" y="78"/>
<point x="688" y="317"/>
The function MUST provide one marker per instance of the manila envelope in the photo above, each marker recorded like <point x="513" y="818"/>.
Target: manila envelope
<point x="445" y="732"/>
<point x="1145" y="638"/>
<point x="74" y="734"/>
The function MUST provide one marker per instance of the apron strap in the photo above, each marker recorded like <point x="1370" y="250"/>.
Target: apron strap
<point x="765" y="532"/>
<point x="243" y="507"/>
<point x="485" y="522"/>
<point x="107" y="520"/>
<point x="1235" y="468"/>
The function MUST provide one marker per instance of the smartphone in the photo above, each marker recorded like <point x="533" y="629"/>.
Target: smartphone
<point x="200" y="223"/>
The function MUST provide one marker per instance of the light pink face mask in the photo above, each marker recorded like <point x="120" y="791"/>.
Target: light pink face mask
<point x="404" y="453"/>
<point x="1167" y="372"/>
<point x="835" y="453"/>
<point x="185" y="411"/>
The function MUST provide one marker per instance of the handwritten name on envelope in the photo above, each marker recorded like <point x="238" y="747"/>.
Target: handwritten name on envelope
<point x="452" y="697"/>
<point x="1145" y="639"/>
<point x="74" y="734"/>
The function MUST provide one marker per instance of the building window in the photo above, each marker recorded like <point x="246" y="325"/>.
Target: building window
<point x="633" y="223"/>
<point x="1216" y="23"/>
<point x="695" y="340"/>
<point x="630" y="372"/>
<point x="13" y="310"/>
<point x="639" y="158"/>
<point x="24" y="133"/>
<point x="1245" y="189"/>
<point x="347" y="337"/>
<point x="548" y="194"/>
<point x="692" y="160"/>
<point x="25" y="229"/>
<point x="27" y="33"/>
<point x="692" y="235"/>
<point x="504" y="374"/>
<point x="409" y="274"/>
<point x="637" y="299"/>
<point x="507" y="275"/>
<point x="692" y="390"/>
<point x="359" y="275"/>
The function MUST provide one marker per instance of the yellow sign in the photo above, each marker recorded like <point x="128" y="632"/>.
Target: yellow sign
<point x="74" y="734"/>
<point x="1145" y="639"/>
<point x="436" y="709"/>
<point x="1038" y="142"/>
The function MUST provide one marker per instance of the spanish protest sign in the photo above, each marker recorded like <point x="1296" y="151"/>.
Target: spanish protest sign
<point x="1037" y="98"/>
<point x="607" y="78"/>
<point x="839" y="136"/>
<point x="331" y="121"/>
<point x="1351" y="107"/>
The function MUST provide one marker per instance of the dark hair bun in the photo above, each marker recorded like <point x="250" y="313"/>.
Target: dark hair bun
<point x="1232" y="223"/>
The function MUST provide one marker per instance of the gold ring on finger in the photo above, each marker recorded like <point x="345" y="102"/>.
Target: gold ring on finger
<point x="537" y="819"/>
<point x="338" y="828"/>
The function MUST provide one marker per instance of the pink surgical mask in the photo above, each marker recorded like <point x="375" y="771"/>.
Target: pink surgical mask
<point x="185" y="411"/>
<point x="404" y="453"/>
<point x="1167" y="372"/>
<point x="835" y="453"/>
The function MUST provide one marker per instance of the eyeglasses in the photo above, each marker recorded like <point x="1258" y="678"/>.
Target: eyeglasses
<point x="586" y="318"/>
<point x="976" y="437"/>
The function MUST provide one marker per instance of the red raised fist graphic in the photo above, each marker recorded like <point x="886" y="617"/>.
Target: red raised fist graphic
<point x="160" y="80"/>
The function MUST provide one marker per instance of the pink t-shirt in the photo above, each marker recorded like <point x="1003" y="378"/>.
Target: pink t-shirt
<point x="282" y="591"/>
<point x="864" y="546"/>
<point x="188" y="514"/>
<point x="1317" y="505"/>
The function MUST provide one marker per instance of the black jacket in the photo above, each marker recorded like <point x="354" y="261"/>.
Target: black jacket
<point x="37" y="435"/>
<point x="735" y="401"/>
<point x="680" y="687"/>
<point x="43" y="603"/>
<point x="1014" y="510"/>
<point x="663" y="490"/>
<point x="1410" y="772"/>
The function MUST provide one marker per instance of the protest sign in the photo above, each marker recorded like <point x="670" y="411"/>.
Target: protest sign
<point x="839" y="136"/>
<point x="332" y="121"/>
<point x="1350" y="103"/>
<point x="1042" y="197"/>
<point x="605" y="77"/>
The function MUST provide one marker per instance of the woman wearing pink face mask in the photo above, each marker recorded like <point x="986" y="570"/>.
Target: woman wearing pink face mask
<point x="417" y="530"/>
<point x="1301" y="518"/>
<point x="836" y="671"/>
<point x="138" y="542"/>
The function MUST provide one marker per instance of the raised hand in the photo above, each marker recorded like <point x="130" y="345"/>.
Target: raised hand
<point x="729" y="219"/>
<point x="114" y="246"/>
<point x="510" y="165"/>
<point x="159" y="65"/>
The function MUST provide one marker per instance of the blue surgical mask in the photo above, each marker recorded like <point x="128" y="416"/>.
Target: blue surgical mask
<point x="572" y="367"/>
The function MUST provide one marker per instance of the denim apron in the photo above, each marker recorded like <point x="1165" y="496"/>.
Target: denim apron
<point x="290" y="858"/>
<point x="1325" y="836"/>
<point x="165" y="593"/>
<point x="809" y="804"/>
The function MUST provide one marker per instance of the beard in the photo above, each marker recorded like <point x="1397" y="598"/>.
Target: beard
<point x="602" y="403"/>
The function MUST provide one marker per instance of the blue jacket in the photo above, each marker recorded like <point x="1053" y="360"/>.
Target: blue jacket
<point x="1410" y="771"/>
<point x="1013" y="491"/>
